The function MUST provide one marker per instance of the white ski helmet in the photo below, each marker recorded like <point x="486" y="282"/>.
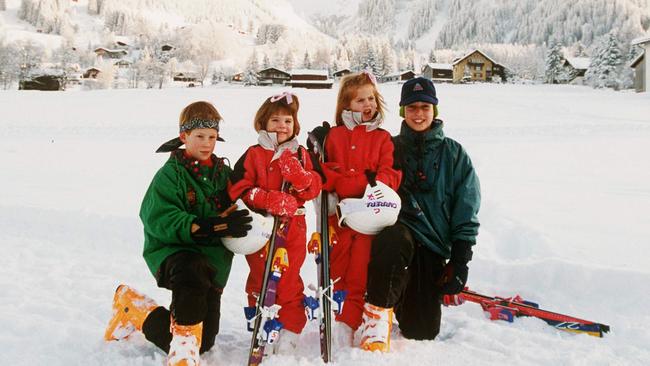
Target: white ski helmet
<point x="377" y="209"/>
<point x="258" y="235"/>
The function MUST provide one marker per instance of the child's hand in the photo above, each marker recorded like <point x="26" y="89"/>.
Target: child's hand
<point x="293" y="171"/>
<point x="231" y="222"/>
<point x="274" y="202"/>
<point x="281" y="204"/>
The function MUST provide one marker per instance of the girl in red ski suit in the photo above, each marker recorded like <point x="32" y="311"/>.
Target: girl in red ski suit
<point x="257" y="179"/>
<point x="353" y="148"/>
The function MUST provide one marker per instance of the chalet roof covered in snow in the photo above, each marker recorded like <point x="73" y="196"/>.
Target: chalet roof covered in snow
<point x="641" y="40"/>
<point x="637" y="59"/>
<point x="309" y="72"/>
<point x="579" y="63"/>
<point x="470" y="53"/>
<point x="440" y="66"/>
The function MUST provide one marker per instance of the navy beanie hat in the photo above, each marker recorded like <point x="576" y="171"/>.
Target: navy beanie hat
<point x="418" y="90"/>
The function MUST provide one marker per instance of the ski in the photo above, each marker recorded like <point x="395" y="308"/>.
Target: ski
<point x="319" y="245"/>
<point x="262" y="318"/>
<point x="507" y="309"/>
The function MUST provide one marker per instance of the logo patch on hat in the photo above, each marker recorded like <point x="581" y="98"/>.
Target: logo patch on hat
<point x="418" y="87"/>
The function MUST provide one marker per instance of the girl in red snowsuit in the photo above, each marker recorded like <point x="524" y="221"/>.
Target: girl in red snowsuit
<point x="353" y="148"/>
<point x="257" y="179"/>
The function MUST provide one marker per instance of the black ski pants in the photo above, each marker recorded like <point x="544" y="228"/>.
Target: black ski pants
<point x="404" y="275"/>
<point x="195" y="299"/>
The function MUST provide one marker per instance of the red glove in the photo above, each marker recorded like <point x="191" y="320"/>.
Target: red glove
<point x="274" y="202"/>
<point x="293" y="171"/>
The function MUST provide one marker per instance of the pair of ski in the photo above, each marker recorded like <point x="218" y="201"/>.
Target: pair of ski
<point x="262" y="318"/>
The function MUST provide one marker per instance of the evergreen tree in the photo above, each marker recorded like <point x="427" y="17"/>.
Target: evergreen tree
<point x="605" y="68"/>
<point x="432" y="57"/>
<point x="266" y="63"/>
<point x="306" y="61"/>
<point x="553" y="63"/>
<point x="287" y="63"/>
<point x="250" y="75"/>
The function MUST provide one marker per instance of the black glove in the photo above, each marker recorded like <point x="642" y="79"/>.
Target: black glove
<point x="316" y="138"/>
<point x="372" y="177"/>
<point x="230" y="223"/>
<point x="454" y="275"/>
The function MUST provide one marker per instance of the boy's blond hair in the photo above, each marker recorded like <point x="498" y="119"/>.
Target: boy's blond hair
<point x="279" y="106"/>
<point x="348" y="89"/>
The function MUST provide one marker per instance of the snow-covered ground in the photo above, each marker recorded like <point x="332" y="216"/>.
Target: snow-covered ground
<point x="565" y="176"/>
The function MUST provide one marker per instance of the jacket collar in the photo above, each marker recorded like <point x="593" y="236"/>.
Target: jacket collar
<point x="353" y="119"/>
<point x="431" y="137"/>
<point x="269" y="141"/>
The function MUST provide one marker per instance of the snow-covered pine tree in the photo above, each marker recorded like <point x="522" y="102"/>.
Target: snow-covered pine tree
<point x="306" y="61"/>
<point x="266" y="63"/>
<point x="605" y="68"/>
<point x="553" y="63"/>
<point x="387" y="59"/>
<point x="432" y="57"/>
<point x="287" y="62"/>
<point x="252" y="67"/>
<point x="9" y="64"/>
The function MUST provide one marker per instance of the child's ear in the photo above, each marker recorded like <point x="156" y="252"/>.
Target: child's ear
<point x="183" y="137"/>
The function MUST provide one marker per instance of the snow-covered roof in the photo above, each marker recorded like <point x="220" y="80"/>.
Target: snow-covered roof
<point x="470" y="53"/>
<point x="579" y="63"/>
<point x="328" y="81"/>
<point x="637" y="59"/>
<point x="111" y="50"/>
<point x="273" y="68"/>
<point x="640" y="40"/>
<point x="309" y="72"/>
<point x="440" y="66"/>
<point x="398" y="73"/>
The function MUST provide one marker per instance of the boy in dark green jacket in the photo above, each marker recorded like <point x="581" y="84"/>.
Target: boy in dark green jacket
<point x="423" y="258"/>
<point x="186" y="211"/>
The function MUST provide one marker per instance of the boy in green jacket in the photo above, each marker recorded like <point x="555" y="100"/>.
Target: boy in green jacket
<point x="186" y="211"/>
<point x="422" y="259"/>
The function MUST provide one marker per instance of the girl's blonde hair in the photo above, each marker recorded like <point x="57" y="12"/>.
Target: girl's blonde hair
<point x="348" y="89"/>
<point x="200" y="110"/>
<point x="279" y="106"/>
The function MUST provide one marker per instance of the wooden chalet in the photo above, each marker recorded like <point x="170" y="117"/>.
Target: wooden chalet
<point x="42" y="82"/>
<point x="341" y="73"/>
<point x="110" y="53"/>
<point x="476" y="66"/>
<point x="438" y="72"/>
<point x="123" y="64"/>
<point x="310" y="79"/>
<point x="186" y="76"/>
<point x="272" y="75"/>
<point x="91" y="73"/>
<point x="237" y="77"/>
<point x="576" y="66"/>
<point x="398" y="76"/>
<point x="641" y="65"/>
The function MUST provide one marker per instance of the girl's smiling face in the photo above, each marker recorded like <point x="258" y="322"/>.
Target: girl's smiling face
<point x="364" y="101"/>
<point x="282" y="125"/>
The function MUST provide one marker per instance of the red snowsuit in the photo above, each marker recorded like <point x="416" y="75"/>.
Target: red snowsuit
<point x="349" y="154"/>
<point x="255" y="169"/>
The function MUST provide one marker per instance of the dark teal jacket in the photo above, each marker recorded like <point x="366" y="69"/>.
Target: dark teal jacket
<point x="440" y="190"/>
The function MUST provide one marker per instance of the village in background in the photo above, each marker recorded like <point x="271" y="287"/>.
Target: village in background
<point x="106" y="44"/>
